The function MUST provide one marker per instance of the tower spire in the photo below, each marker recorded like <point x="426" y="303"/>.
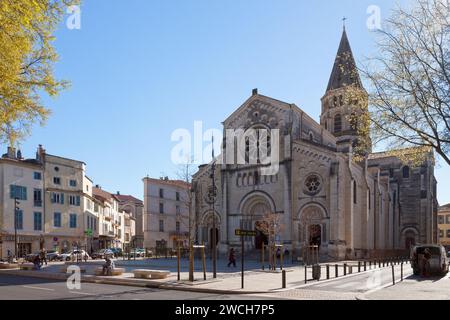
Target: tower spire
<point x="345" y="72"/>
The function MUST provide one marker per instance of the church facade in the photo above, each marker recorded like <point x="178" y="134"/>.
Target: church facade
<point x="320" y="195"/>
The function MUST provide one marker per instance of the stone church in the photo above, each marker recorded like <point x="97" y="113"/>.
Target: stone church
<point x="321" y="196"/>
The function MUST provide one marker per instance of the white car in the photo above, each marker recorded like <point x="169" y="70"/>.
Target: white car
<point x="72" y="255"/>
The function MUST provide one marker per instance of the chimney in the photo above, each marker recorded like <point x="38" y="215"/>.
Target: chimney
<point x="118" y="193"/>
<point x="40" y="153"/>
<point x="19" y="155"/>
<point x="255" y="92"/>
<point x="11" y="153"/>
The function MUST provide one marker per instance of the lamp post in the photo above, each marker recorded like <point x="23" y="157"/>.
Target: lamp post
<point x="16" y="211"/>
<point x="214" y="240"/>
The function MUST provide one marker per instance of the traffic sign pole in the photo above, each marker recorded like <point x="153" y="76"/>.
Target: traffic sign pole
<point x="242" y="262"/>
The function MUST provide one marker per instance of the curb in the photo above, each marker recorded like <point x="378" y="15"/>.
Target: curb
<point x="126" y="282"/>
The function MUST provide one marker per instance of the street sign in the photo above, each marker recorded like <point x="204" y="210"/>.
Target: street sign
<point x="245" y="233"/>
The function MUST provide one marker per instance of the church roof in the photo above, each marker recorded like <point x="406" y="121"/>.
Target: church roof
<point x="345" y="72"/>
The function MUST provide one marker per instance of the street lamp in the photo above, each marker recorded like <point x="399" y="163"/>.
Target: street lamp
<point x="214" y="240"/>
<point x="16" y="212"/>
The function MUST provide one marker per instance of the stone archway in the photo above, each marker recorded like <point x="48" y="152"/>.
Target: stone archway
<point x="254" y="209"/>
<point x="206" y="228"/>
<point x="410" y="237"/>
<point x="312" y="226"/>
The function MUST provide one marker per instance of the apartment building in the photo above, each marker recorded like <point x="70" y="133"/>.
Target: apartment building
<point x="134" y="208"/>
<point x="166" y="212"/>
<point x="444" y="225"/>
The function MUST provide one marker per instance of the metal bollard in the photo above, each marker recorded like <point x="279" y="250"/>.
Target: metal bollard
<point x="365" y="265"/>
<point x="359" y="266"/>
<point x="328" y="272"/>
<point x="306" y="274"/>
<point x="379" y="263"/>
<point x="393" y="275"/>
<point x="336" y="271"/>
<point x="345" y="269"/>
<point x="401" y="268"/>
<point x="283" y="279"/>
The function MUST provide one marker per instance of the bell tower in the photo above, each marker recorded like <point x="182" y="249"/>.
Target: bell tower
<point x="345" y="101"/>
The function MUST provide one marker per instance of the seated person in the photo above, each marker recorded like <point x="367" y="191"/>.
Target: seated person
<point x="108" y="267"/>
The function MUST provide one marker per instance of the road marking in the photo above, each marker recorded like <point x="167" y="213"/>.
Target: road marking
<point x="38" y="288"/>
<point x="82" y="293"/>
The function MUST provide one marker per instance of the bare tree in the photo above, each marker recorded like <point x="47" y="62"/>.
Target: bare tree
<point x="185" y="173"/>
<point x="271" y="226"/>
<point x="410" y="80"/>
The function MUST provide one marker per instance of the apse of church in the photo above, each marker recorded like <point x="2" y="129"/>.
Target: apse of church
<point x="319" y="194"/>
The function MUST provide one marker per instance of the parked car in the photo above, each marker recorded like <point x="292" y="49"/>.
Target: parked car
<point x="101" y="254"/>
<point x="438" y="263"/>
<point x="117" y="252"/>
<point x="31" y="256"/>
<point x="73" y="255"/>
<point x="138" y="253"/>
<point x="52" y="255"/>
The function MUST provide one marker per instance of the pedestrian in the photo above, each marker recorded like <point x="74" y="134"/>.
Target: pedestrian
<point x="10" y="257"/>
<point x="43" y="257"/>
<point x="232" y="258"/>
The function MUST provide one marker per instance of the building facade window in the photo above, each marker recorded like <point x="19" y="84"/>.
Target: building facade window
<point x="161" y="225"/>
<point x="37" y="198"/>
<point x="441" y="219"/>
<point x="74" y="200"/>
<point x="72" y="183"/>
<point x="57" y="220"/>
<point x="19" y="219"/>
<point x="161" y="193"/>
<point x="161" y="208"/>
<point x="57" y="198"/>
<point x="37" y="176"/>
<point x="73" y="221"/>
<point x="18" y="192"/>
<point x="337" y="123"/>
<point x="57" y="180"/>
<point x="177" y="196"/>
<point x="441" y="234"/>
<point x="448" y="233"/>
<point x="38" y="221"/>
<point x="406" y="172"/>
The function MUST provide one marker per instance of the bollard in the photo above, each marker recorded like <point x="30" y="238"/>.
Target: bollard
<point x="306" y="274"/>
<point x="336" y="271"/>
<point x="328" y="272"/>
<point x="401" y="268"/>
<point x="283" y="279"/>
<point x="379" y="263"/>
<point x="359" y="266"/>
<point x="393" y="276"/>
<point x="365" y="265"/>
<point x="345" y="269"/>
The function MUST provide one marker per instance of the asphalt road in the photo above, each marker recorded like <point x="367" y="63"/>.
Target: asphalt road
<point x="365" y="282"/>
<point x="23" y="288"/>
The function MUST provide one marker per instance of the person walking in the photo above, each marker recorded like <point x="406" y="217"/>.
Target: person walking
<point x="232" y="258"/>
<point x="43" y="257"/>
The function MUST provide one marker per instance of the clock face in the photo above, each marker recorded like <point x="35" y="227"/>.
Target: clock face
<point x="211" y="194"/>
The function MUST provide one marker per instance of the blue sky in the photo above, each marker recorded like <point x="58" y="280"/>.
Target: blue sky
<point x="142" y="68"/>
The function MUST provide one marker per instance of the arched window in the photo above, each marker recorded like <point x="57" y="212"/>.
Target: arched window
<point x="337" y="123"/>
<point x="341" y="100"/>
<point x="335" y="102"/>
<point x="355" y="194"/>
<point x="406" y="172"/>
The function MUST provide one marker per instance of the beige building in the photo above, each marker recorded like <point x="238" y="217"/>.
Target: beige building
<point x="166" y="213"/>
<point x="444" y="225"/>
<point x="116" y="226"/>
<point x="319" y="195"/>
<point x="134" y="207"/>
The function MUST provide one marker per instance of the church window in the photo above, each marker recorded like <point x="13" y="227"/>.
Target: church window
<point x="406" y="172"/>
<point x="337" y="123"/>
<point x="311" y="137"/>
<point x="313" y="184"/>
<point x="341" y="100"/>
<point x="335" y="102"/>
<point x="355" y="195"/>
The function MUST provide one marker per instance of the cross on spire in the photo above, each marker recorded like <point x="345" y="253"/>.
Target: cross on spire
<point x="343" y="21"/>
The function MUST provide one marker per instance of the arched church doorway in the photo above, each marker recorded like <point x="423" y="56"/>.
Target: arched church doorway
<point x="410" y="240"/>
<point x="315" y="235"/>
